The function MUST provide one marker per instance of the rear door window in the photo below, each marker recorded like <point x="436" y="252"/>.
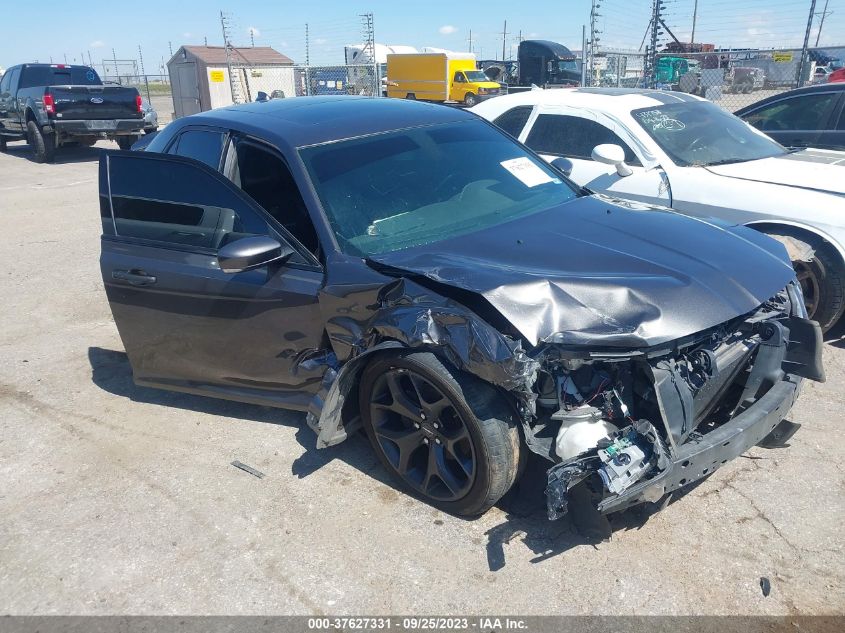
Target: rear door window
<point x="514" y="120"/>
<point x="205" y="146"/>
<point x="573" y="136"/>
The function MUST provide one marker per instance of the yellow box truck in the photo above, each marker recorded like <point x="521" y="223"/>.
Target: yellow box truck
<point x="438" y="77"/>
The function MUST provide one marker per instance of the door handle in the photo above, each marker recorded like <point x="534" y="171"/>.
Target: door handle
<point x="134" y="277"/>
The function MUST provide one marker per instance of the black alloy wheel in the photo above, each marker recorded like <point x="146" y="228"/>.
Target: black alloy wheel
<point x="445" y="435"/>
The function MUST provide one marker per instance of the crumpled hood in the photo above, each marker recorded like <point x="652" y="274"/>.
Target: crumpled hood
<point x="594" y="272"/>
<point x="792" y="170"/>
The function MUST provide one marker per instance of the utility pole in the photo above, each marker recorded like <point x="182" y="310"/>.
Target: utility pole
<point x="806" y="44"/>
<point x="469" y="39"/>
<point x="504" y="39"/>
<point x="252" y="37"/>
<point x="307" y="63"/>
<point x="205" y="40"/>
<point x="233" y="85"/>
<point x="594" y="39"/>
<point x="694" y="16"/>
<point x="824" y="14"/>
<point x="650" y="68"/>
<point x="170" y="46"/>
<point x="90" y="63"/>
<point x="370" y="49"/>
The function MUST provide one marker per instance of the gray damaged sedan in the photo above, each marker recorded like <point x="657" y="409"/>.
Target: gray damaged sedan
<point x="410" y="269"/>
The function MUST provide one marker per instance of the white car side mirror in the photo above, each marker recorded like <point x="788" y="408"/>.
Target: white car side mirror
<point x="610" y="154"/>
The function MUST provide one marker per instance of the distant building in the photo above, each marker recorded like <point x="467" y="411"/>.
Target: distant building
<point x="199" y="76"/>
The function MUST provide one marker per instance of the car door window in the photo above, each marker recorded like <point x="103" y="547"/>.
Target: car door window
<point x="841" y="124"/>
<point x="177" y="203"/>
<point x="205" y="146"/>
<point x="264" y="177"/>
<point x="459" y="77"/>
<point x="514" y="120"/>
<point x="574" y="137"/>
<point x="804" y="112"/>
<point x="4" y="84"/>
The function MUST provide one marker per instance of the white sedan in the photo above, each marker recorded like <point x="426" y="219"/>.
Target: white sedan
<point x="684" y="152"/>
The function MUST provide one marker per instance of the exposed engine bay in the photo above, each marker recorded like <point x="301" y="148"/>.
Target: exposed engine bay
<point x="618" y="422"/>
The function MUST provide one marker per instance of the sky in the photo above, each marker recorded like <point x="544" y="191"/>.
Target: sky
<point x="103" y="29"/>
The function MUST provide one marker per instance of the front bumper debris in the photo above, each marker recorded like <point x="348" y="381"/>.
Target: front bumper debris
<point x="788" y="351"/>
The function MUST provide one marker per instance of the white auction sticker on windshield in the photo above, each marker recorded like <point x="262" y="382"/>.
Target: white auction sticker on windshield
<point x="526" y="171"/>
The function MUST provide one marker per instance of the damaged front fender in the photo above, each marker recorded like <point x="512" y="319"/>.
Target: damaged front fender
<point x="402" y="314"/>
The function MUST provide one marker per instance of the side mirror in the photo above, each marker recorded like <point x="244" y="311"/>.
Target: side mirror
<point x="563" y="165"/>
<point x="251" y="252"/>
<point x="610" y="154"/>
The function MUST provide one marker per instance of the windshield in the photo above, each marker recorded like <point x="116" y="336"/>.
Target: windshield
<point x="701" y="133"/>
<point x="33" y="76"/>
<point x="475" y="75"/>
<point x="417" y="186"/>
<point x="568" y="65"/>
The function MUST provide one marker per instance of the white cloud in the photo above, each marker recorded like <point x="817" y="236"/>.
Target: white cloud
<point x="253" y="31"/>
<point x="187" y="35"/>
<point x="97" y="44"/>
<point x="320" y="41"/>
<point x="447" y="29"/>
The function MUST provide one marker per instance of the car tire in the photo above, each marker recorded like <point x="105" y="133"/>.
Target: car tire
<point x="470" y="100"/>
<point x="822" y="279"/>
<point x="151" y="130"/>
<point x="462" y="455"/>
<point x="126" y="142"/>
<point x="411" y="96"/>
<point x="43" y="145"/>
<point x="3" y="146"/>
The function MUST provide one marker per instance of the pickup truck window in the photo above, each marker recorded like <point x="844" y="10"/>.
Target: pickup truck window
<point x="33" y="76"/>
<point x="4" y="83"/>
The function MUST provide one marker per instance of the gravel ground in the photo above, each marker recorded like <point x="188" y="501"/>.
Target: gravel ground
<point x="117" y="499"/>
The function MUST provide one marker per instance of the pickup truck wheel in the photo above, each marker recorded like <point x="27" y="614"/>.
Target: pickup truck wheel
<point x="126" y="142"/>
<point x="446" y="436"/>
<point x="43" y="145"/>
<point x="470" y="100"/>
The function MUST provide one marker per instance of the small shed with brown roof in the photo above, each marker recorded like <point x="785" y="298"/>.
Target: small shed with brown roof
<point x="199" y="76"/>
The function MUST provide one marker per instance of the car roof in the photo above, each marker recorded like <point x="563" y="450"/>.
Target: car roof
<point x="614" y="100"/>
<point x="303" y="121"/>
<point x="825" y="87"/>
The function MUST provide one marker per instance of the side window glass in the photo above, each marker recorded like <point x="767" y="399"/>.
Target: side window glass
<point x="806" y="112"/>
<point x="459" y="77"/>
<point x="13" y="79"/>
<point x="177" y="203"/>
<point x="265" y="178"/>
<point x="4" y="83"/>
<point x="513" y="120"/>
<point x="574" y="137"/>
<point x="202" y="145"/>
<point x="841" y="125"/>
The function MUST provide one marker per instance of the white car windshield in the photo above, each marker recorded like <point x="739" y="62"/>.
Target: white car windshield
<point x="701" y="133"/>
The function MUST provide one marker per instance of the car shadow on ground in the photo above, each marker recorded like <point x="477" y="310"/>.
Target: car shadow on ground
<point x="64" y="155"/>
<point x="836" y="335"/>
<point x="526" y="519"/>
<point x="524" y="506"/>
<point x="111" y="372"/>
